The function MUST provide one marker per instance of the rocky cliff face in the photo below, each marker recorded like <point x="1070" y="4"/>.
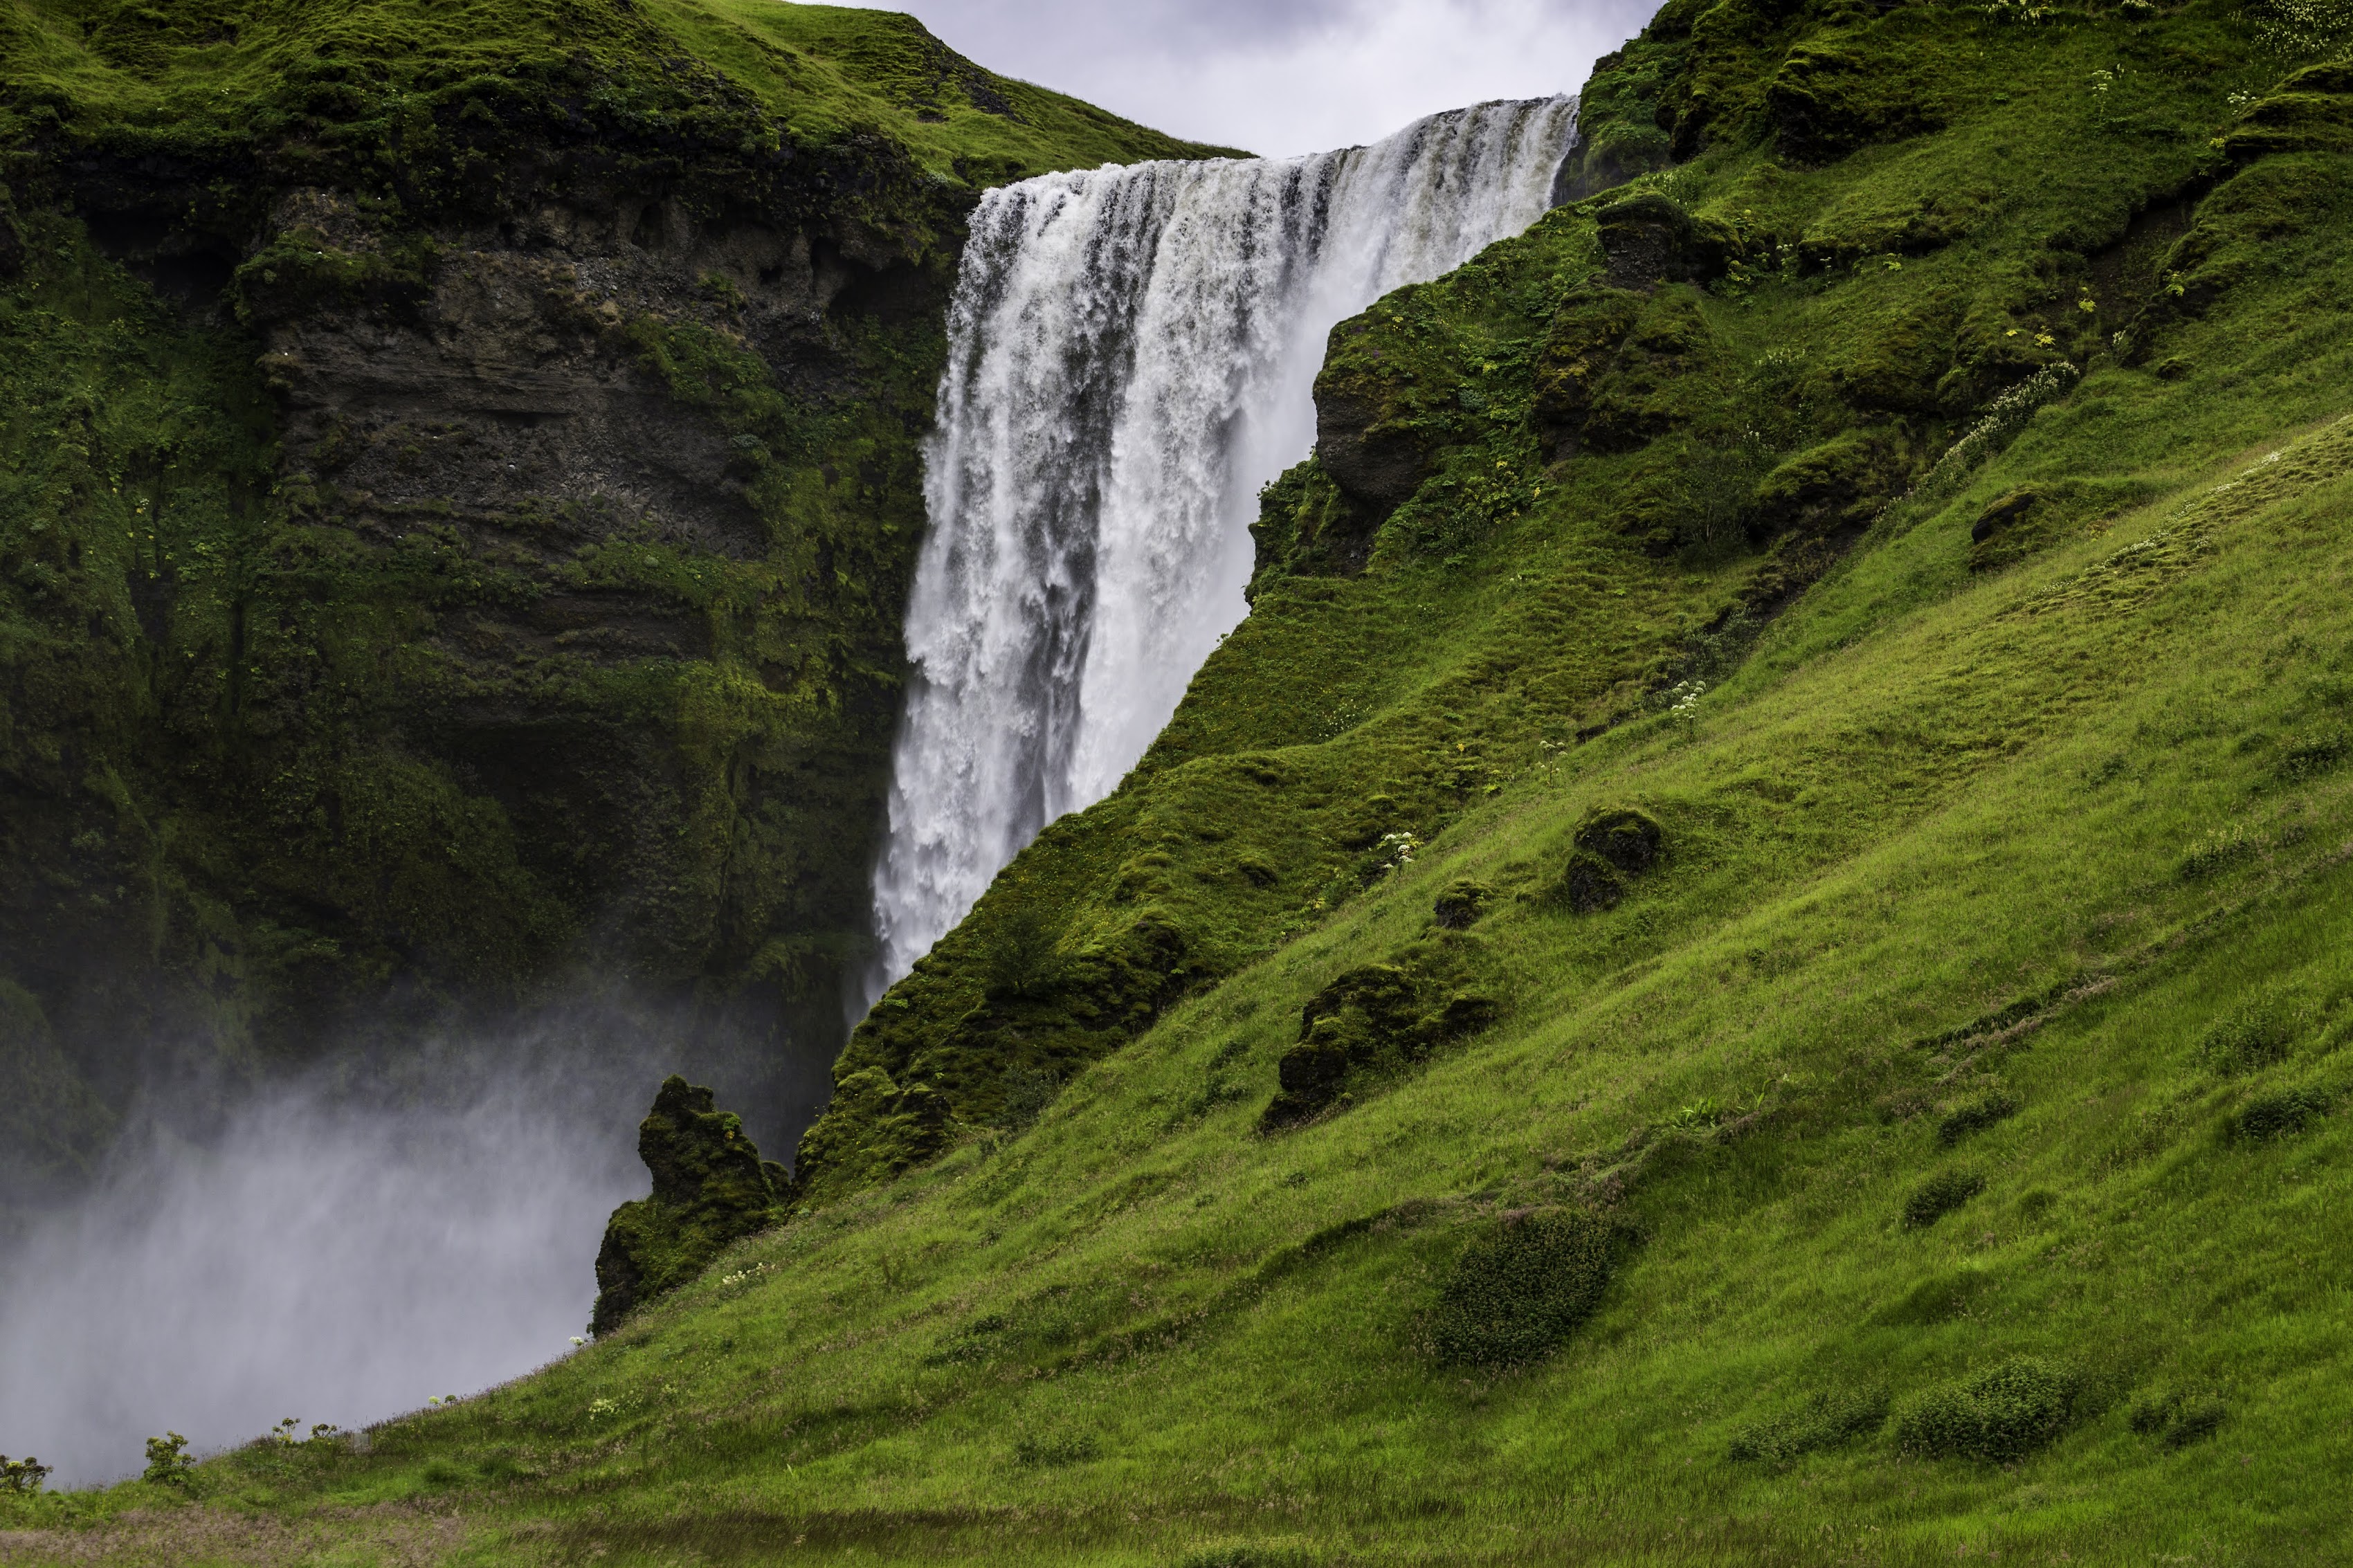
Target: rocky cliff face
<point x="463" y="498"/>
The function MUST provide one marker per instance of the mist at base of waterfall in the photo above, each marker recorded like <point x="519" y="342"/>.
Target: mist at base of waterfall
<point x="312" y="1257"/>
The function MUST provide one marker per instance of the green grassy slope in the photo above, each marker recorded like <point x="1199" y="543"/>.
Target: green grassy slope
<point x="1959" y="1104"/>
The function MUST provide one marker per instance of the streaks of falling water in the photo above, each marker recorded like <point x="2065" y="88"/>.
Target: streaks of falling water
<point x="1131" y="354"/>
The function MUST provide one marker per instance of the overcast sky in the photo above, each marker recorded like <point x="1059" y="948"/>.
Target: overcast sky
<point x="1286" y="76"/>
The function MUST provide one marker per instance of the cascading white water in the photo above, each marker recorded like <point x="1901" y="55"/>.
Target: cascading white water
<point x="1130" y="354"/>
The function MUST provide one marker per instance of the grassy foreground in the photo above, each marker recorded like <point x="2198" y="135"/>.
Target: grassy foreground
<point x="2083" y="844"/>
<point x="1959" y="1104"/>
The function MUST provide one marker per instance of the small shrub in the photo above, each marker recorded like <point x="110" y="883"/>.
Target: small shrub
<point x="1067" y="1448"/>
<point x="1974" y="1116"/>
<point x="1022" y="961"/>
<point x="2280" y="1115"/>
<point x="2199" y="1419"/>
<point x="442" y="1473"/>
<point x="1939" y="1195"/>
<point x="1246" y="1556"/>
<point x="721" y="289"/>
<point x="2242" y="1041"/>
<point x="1828" y="1419"/>
<point x="1999" y="1415"/>
<point x="168" y="1460"/>
<point x="2175" y="1421"/>
<point x="1519" y="1289"/>
<point x="2221" y="849"/>
<point x="1023" y="1092"/>
<point x="22" y="1477"/>
<point x="2314" y="752"/>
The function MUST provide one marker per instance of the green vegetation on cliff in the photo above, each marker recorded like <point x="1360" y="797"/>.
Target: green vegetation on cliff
<point x="1743" y="961"/>
<point x="461" y="486"/>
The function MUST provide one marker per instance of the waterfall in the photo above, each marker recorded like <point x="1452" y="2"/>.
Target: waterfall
<point x="1131" y="354"/>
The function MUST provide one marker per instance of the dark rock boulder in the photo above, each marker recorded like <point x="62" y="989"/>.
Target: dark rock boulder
<point x="1612" y="849"/>
<point x="1376" y="1020"/>
<point x="1649" y="240"/>
<point x="1377" y="460"/>
<point x="710" y="1188"/>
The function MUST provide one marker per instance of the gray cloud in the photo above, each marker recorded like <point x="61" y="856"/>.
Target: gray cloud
<point x="1287" y="76"/>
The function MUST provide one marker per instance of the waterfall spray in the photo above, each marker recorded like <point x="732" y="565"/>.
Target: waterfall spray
<point x="1131" y="354"/>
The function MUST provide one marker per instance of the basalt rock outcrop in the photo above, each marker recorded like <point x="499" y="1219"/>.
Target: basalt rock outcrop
<point x="463" y="489"/>
<point x="710" y="1188"/>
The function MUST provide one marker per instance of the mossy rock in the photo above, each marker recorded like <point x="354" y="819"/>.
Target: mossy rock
<point x="1612" y="849"/>
<point x="1369" y="1023"/>
<point x="1832" y="488"/>
<point x="2029" y="518"/>
<point x="1830" y="96"/>
<point x="1460" y="905"/>
<point x="711" y="1189"/>
<point x="1649" y="240"/>
<point x="1579" y="348"/>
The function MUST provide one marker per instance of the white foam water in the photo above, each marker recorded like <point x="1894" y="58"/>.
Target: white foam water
<point x="1131" y="356"/>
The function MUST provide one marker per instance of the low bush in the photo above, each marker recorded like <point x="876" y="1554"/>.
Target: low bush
<point x="2218" y="852"/>
<point x="2280" y="1115"/>
<point x="1066" y="1448"/>
<point x="2250" y="1038"/>
<point x="2177" y="1421"/>
<point x="168" y="1460"/>
<point x="1519" y="1289"/>
<point x="1246" y="1556"/>
<point x="1974" y="1116"/>
<point x="1939" y="1195"/>
<point x="1824" y="1421"/>
<point x="2316" y="752"/>
<point x="23" y="1476"/>
<point x="1998" y="1415"/>
<point x="1023" y="1092"/>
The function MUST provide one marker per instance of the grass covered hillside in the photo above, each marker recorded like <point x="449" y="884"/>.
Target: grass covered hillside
<point x="1743" y="960"/>
<point x="459" y="488"/>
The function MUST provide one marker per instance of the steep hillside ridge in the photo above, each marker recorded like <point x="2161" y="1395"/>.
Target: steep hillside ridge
<point x="463" y="483"/>
<point x="1567" y="485"/>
